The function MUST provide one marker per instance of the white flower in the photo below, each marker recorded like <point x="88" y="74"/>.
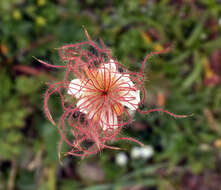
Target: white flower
<point x="145" y="152"/>
<point x="219" y="21"/>
<point x="121" y="159"/>
<point x="102" y="93"/>
<point x="135" y="152"/>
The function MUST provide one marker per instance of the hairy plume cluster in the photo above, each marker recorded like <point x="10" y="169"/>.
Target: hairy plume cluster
<point x="102" y="93"/>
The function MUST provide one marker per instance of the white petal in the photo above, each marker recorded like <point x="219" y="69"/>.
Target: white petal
<point x="130" y="96"/>
<point x="121" y="159"/>
<point x="76" y="87"/>
<point x="125" y="81"/>
<point x="111" y="66"/>
<point x="109" y="120"/>
<point x="131" y="99"/>
<point x="88" y="105"/>
<point x="147" y="152"/>
<point x="135" y="152"/>
<point x="137" y="96"/>
<point x="92" y="114"/>
<point x="83" y="104"/>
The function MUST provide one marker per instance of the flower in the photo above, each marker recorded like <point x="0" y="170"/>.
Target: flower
<point x="102" y="97"/>
<point x="219" y="21"/>
<point x="121" y="159"/>
<point x="135" y="152"/>
<point x="144" y="152"/>
<point x="103" y="93"/>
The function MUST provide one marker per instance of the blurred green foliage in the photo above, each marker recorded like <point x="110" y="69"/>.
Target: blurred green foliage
<point x="185" y="81"/>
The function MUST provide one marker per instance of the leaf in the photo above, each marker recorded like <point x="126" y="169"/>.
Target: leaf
<point x="195" y="75"/>
<point x="197" y="31"/>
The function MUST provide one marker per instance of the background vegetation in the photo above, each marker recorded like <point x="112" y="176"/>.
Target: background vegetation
<point x="187" y="152"/>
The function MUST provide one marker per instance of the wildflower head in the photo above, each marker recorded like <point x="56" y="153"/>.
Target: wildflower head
<point x="102" y="94"/>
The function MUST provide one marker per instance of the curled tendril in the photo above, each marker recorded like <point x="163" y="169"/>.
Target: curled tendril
<point x="105" y="92"/>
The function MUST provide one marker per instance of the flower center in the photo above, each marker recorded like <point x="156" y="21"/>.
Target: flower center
<point x="105" y="92"/>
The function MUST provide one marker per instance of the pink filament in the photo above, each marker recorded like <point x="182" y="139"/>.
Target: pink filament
<point x="82" y="131"/>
